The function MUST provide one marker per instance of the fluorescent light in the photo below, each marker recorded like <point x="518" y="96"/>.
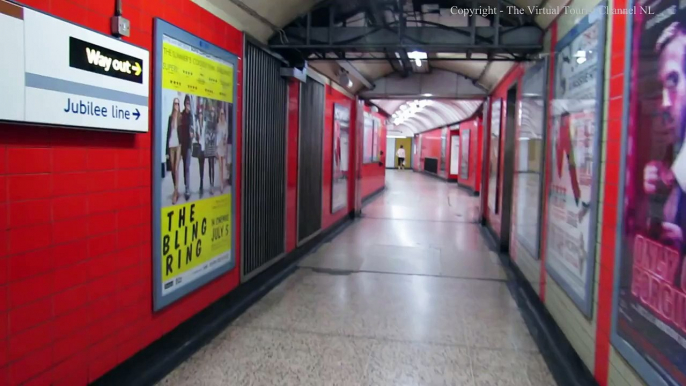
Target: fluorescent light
<point x="350" y="83"/>
<point x="417" y="55"/>
<point x="418" y="62"/>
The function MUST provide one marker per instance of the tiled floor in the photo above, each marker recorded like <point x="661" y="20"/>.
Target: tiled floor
<point x="409" y="295"/>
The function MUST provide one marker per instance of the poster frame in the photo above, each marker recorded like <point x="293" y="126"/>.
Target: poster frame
<point x="376" y="139"/>
<point x="535" y="252"/>
<point x="496" y="189"/>
<point x="585" y="303"/>
<point x="335" y="209"/>
<point x="464" y="153"/>
<point x="162" y="28"/>
<point x="645" y="370"/>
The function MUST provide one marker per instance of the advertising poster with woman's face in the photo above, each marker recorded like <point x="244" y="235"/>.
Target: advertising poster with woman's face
<point x="651" y="297"/>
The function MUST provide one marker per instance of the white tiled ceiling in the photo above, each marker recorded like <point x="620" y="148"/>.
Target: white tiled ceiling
<point x="441" y="112"/>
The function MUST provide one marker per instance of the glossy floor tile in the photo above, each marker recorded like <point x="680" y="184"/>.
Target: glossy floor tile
<point x="408" y="295"/>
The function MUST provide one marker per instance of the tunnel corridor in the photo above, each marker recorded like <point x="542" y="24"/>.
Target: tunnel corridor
<point x="409" y="294"/>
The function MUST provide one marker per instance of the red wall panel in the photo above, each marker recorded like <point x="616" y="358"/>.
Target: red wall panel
<point x="292" y="157"/>
<point x="500" y="92"/>
<point x="612" y="151"/>
<point x="75" y="227"/>
<point x="373" y="175"/>
<point x="474" y="128"/>
<point x="431" y="146"/>
<point x="333" y="96"/>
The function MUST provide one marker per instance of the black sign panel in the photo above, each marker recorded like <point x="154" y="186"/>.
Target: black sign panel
<point x="104" y="61"/>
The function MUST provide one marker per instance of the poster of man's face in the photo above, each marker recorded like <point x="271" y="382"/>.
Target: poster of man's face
<point x="651" y="294"/>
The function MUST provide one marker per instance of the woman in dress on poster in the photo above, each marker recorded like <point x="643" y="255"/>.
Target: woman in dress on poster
<point x="211" y="143"/>
<point x="223" y="138"/>
<point x="174" y="146"/>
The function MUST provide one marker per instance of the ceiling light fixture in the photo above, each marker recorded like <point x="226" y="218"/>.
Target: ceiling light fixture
<point x="418" y="56"/>
<point x="409" y="110"/>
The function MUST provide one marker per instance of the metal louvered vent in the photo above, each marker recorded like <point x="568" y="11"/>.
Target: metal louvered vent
<point x="264" y="161"/>
<point x="310" y="160"/>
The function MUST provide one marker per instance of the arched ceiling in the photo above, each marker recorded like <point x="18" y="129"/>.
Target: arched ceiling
<point x="436" y="113"/>
<point x="267" y="19"/>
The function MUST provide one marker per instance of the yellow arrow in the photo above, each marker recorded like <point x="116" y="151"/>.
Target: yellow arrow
<point x="137" y="68"/>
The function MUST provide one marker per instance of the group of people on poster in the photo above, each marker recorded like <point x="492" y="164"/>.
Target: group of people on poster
<point x="198" y="131"/>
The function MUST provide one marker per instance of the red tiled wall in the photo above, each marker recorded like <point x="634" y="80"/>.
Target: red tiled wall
<point x="292" y="155"/>
<point x="473" y="177"/>
<point x="333" y="96"/>
<point x="500" y="92"/>
<point x="75" y="227"/>
<point x="431" y="146"/>
<point x="612" y="151"/>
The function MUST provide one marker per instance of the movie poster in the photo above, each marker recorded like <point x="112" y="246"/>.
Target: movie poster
<point x="528" y="175"/>
<point x="650" y="304"/>
<point x="376" y="138"/>
<point x="494" y="156"/>
<point x="464" y="154"/>
<point x="368" y="139"/>
<point x="444" y="150"/>
<point x="194" y="125"/>
<point x="454" y="155"/>
<point x="576" y="121"/>
<point x="341" y="134"/>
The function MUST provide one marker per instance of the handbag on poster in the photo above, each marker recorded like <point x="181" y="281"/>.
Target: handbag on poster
<point x="197" y="149"/>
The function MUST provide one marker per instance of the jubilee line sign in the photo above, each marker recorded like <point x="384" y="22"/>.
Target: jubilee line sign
<point x="67" y="75"/>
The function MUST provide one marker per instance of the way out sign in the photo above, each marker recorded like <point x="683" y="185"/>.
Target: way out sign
<point x="68" y="75"/>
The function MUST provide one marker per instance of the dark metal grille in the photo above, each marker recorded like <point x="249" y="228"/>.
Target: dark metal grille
<point x="310" y="159"/>
<point x="264" y="160"/>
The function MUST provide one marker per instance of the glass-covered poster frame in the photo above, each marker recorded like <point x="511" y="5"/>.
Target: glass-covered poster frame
<point x="376" y="139"/>
<point x="649" y="304"/>
<point x="577" y="121"/>
<point x="464" y="156"/>
<point x="494" y="155"/>
<point x="529" y="190"/>
<point x="368" y="139"/>
<point x="444" y="151"/>
<point x="193" y="229"/>
<point x="340" y="145"/>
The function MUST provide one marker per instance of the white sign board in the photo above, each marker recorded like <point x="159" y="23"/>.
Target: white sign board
<point x="454" y="155"/>
<point x="63" y="74"/>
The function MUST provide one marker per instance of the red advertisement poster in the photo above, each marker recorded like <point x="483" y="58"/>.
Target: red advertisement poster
<point x="650" y="304"/>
